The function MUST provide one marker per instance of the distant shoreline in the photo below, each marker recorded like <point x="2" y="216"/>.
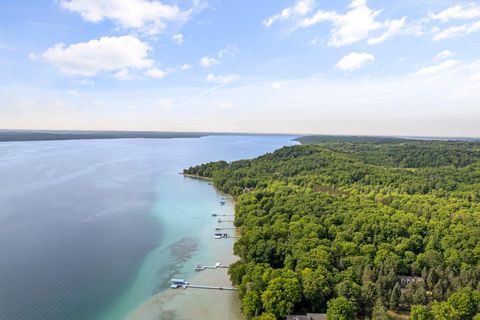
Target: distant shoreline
<point x="18" y="135"/>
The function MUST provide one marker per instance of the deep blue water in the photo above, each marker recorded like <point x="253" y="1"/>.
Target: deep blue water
<point x="77" y="218"/>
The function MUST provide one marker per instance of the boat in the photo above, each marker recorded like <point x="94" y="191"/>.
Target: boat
<point x="220" y="235"/>
<point x="176" y="283"/>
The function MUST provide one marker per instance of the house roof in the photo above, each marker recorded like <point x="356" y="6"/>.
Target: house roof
<point x="308" y="316"/>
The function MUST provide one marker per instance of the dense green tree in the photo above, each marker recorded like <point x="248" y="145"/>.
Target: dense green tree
<point x="281" y="294"/>
<point x="394" y="300"/>
<point x="466" y="302"/>
<point x="444" y="311"/>
<point x="349" y="290"/>
<point x="369" y="296"/>
<point x="350" y="217"/>
<point x="266" y="316"/>
<point x="341" y="308"/>
<point x="379" y="311"/>
<point x="236" y="271"/>
<point x="437" y="291"/>
<point x="420" y="313"/>
<point x="316" y="287"/>
<point x="251" y="304"/>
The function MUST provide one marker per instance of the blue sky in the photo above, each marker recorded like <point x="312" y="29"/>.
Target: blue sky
<point x="338" y="67"/>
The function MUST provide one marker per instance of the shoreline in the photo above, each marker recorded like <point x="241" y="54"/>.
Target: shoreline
<point x="193" y="303"/>
<point x="194" y="176"/>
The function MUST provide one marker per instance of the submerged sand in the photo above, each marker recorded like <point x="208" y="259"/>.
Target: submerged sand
<point x="193" y="303"/>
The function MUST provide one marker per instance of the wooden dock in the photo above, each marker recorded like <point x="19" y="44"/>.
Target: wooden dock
<point x="181" y="283"/>
<point x="209" y="287"/>
<point x="218" y="265"/>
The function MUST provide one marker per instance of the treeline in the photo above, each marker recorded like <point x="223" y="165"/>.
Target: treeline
<point x="342" y="227"/>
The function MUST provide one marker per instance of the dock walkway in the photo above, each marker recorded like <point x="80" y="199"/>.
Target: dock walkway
<point x="201" y="267"/>
<point x="210" y="287"/>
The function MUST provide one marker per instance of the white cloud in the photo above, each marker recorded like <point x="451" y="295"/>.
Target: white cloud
<point x="155" y="73"/>
<point x="458" y="12"/>
<point x="457" y="31"/>
<point x="437" y="68"/>
<point x="301" y="8"/>
<point x="99" y="55"/>
<point x="123" y="75"/>
<point x="445" y="54"/>
<point x="393" y="28"/>
<point x="146" y="16"/>
<point x="207" y="62"/>
<point x="357" y="24"/>
<point x="354" y="61"/>
<point x="400" y="104"/>
<point x="277" y="85"/>
<point x="185" y="66"/>
<point x="178" y="38"/>
<point x="229" y="50"/>
<point x="222" y="79"/>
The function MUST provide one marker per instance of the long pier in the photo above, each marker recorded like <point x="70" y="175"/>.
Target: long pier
<point x="201" y="267"/>
<point x="181" y="283"/>
<point x="209" y="287"/>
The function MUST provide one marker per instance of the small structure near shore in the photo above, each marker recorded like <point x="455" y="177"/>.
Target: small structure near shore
<point x="226" y="228"/>
<point x="201" y="267"/>
<point x="219" y="235"/>
<point x="176" y="283"/>
<point x="181" y="283"/>
<point x="308" y="316"/>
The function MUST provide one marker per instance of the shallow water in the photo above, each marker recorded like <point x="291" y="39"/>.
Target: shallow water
<point x="91" y="229"/>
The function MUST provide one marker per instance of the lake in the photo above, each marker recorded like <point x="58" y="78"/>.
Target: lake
<point x="90" y="229"/>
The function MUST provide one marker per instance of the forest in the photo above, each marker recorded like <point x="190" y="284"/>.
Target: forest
<point x="370" y="228"/>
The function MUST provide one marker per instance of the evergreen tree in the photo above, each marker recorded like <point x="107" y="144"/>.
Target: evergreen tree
<point x="379" y="311"/>
<point x="394" y="300"/>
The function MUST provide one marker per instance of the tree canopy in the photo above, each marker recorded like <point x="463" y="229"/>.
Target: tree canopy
<point x="372" y="224"/>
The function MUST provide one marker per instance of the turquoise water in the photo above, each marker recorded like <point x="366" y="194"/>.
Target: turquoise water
<point x="91" y="229"/>
<point x="183" y="211"/>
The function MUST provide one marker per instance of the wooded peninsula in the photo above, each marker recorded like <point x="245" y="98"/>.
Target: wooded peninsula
<point x="379" y="228"/>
